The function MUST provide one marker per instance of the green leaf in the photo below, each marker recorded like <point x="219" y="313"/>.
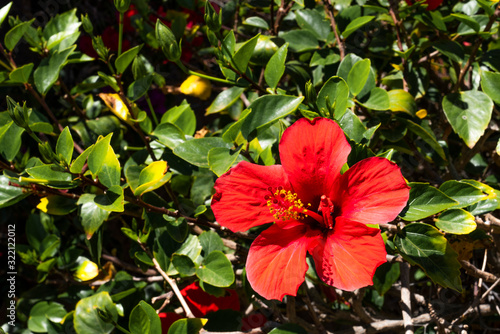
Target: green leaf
<point x="268" y="109"/>
<point x="13" y="36"/>
<point x="355" y="25"/>
<point x="177" y="228"/>
<point x="451" y="49"/>
<point x="86" y="317"/>
<point x="385" y="276"/>
<point x="257" y="22"/>
<point x="169" y="135"/>
<point x="220" y="159"/>
<point x="289" y="328"/>
<point x="152" y="177"/>
<point x="275" y="68"/>
<point x="4" y="11"/>
<point x="10" y="195"/>
<point x="358" y="75"/>
<point x="423" y="245"/>
<point x="196" y="151"/>
<point x="314" y="22"/>
<point x="49" y="246"/>
<point x="184" y="265"/>
<point x="300" y="40"/>
<point x="110" y="172"/>
<point x="216" y="270"/>
<point x="21" y="74"/>
<point x="467" y="20"/>
<point x="224" y="100"/>
<point x="140" y="87"/>
<point x="10" y="137"/>
<point x="210" y="241"/>
<point x="469" y="113"/>
<point x="465" y="194"/>
<point x="62" y="30"/>
<point x="402" y="101"/>
<point x="50" y="172"/>
<point x="244" y="53"/>
<point x="98" y="155"/>
<point x="426" y="136"/>
<point x="425" y="201"/>
<point x="144" y="320"/>
<point x="187" y="326"/>
<point x="123" y="60"/>
<point x="91" y="215"/>
<point x="111" y="200"/>
<point x="352" y="126"/>
<point x="47" y="72"/>
<point x="376" y="99"/>
<point x="77" y="165"/>
<point x="64" y="146"/>
<point x="182" y="116"/>
<point x="456" y="221"/>
<point x="490" y="84"/>
<point x="42" y="313"/>
<point x="337" y="92"/>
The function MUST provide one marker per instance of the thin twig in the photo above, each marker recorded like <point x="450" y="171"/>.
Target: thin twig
<point x="406" y="297"/>
<point x="331" y="15"/>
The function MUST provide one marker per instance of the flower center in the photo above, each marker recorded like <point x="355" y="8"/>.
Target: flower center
<point x="284" y="205"/>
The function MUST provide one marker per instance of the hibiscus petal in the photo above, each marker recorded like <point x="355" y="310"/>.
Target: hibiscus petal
<point x="239" y="202"/>
<point x="348" y="257"/>
<point x="372" y="191"/>
<point x="312" y="154"/>
<point x="276" y="263"/>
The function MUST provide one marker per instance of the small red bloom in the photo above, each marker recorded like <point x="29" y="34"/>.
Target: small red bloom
<point x="317" y="210"/>
<point x="201" y="302"/>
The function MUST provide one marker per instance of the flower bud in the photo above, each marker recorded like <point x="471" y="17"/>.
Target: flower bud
<point x="46" y="152"/>
<point x="19" y="115"/>
<point x="197" y="87"/>
<point x="100" y="48"/>
<point x="169" y="45"/>
<point x="311" y="95"/>
<point x="122" y="5"/>
<point x="212" y="19"/>
<point x="87" y="24"/>
<point x="86" y="271"/>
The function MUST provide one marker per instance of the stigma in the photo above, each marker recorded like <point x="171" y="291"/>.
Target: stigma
<point x="284" y="204"/>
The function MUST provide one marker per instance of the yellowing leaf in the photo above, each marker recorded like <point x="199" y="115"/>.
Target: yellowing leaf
<point x="152" y="177"/>
<point x="86" y="271"/>
<point x="421" y="113"/>
<point x="56" y="205"/>
<point x="197" y="87"/>
<point x="116" y="105"/>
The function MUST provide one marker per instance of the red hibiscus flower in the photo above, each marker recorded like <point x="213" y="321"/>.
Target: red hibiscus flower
<point x="201" y="302"/>
<point x="316" y="210"/>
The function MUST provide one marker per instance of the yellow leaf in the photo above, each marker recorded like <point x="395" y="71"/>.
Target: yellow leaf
<point x="152" y="177"/>
<point x="197" y="87"/>
<point x="421" y="113"/>
<point x="86" y="271"/>
<point x="116" y="105"/>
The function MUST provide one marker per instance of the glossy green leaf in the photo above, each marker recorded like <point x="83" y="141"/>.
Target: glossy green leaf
<point x="358" y="75"/>
<point x="300" y="40"/>
<point x="451" y="49"/>
<point x="169" y="135"/>
<point x="456" y="221"/>
<point x="469" y="113"/>
<point x="425" y="201"/>
<point x="467" y="20"/>
<point x="49" y="246"/>
<point x="184" y="265"/>
<point x="216" y="270"/>
<point x="257" y="22"/>
<point x="15" y="34"/>
<point x="140" y="87"/>
<point x="9" y="194"/>
<point x="98" y="155"/>
<point x="4" y="11"/>
<point x="10" y="137"/>
<point x="111" y="200"/>
<point x="423" y="245"/>
<point x="352" y="126"/>
<point x="62" y="30"/>
<point x="220" y="159"/>
<point x="144" y="320"/>
<point x="182" y="116"/>
<point x="50" y="172"/>
<point x="86" y="317"/>
<point x="490" y="84"/>
<point x="21" y="74"/>
<point x="275" y="68"/>
<point x="426" y="136"/>
<point x="402" y="101"/>
<point x="91" y="215"/>
<point x="77" y="165"/>
<point x="385" y="276"/>
<point x="110" y="172"/>
<point x="465" y="194"/>
<point x="123" y="60"/>
<point x="355" y="25"/>
<point x="64" y="146"/>
<point x="211" y="241"/>
<point x="152" y="177"/>
<point x="244" y="53"/>
<point x="47" y="72"/>
<point x="268" y="109"/>
<point x="196" y="151"/>
<point x="187" y="326"/>
<point x="177" y="228"/>
<point x="336" y="91"/>
<point x="224" y="100"/>
<point x="314" y="22"/>
<point x="376" y="99"/>
<point x="42" y="313"/>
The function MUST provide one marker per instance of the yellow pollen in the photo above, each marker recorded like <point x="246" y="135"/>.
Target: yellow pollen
<point x="284" y="205"/>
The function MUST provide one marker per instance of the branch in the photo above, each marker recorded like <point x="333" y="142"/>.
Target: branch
<point x="476" y="272"/>
<point x="340" y="42"/>
<point x="406" y="297"/>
